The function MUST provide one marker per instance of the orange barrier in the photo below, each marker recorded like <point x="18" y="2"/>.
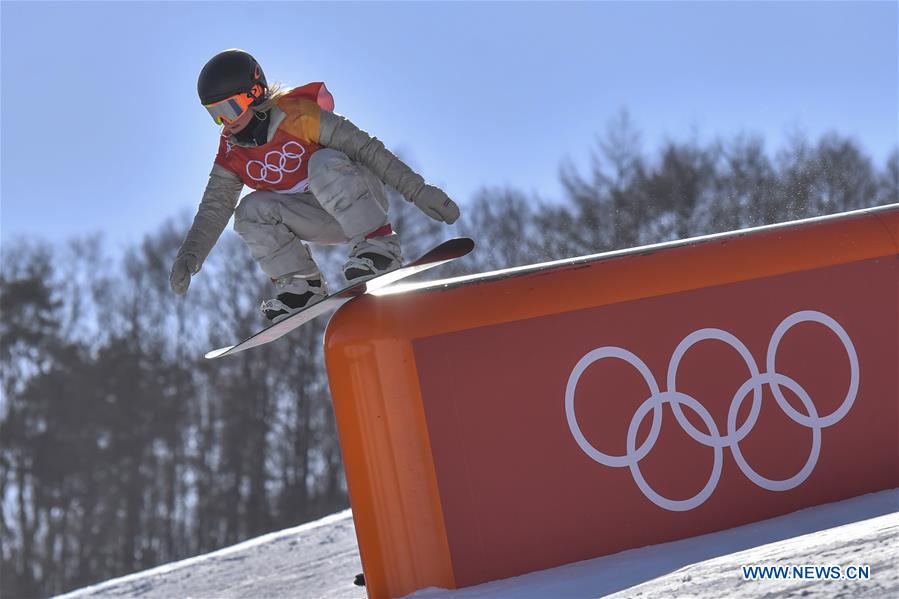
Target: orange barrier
<point x="501" y="424"/>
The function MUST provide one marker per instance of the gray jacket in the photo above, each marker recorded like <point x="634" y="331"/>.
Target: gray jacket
<point x="223" y="189"/>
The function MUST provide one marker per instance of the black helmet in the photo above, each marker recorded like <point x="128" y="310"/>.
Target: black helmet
<point x="228" y="73"/>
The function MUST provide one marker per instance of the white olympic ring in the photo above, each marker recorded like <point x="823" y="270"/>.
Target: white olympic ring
<point x="276" y="164"/>
<point x="713" y="438"/>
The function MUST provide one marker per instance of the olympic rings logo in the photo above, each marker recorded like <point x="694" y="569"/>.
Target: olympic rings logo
<point x="272" y="168"/>
<point x="713" y="438"/>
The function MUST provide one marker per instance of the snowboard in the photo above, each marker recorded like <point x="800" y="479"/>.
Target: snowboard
<point x="445" y="252"/>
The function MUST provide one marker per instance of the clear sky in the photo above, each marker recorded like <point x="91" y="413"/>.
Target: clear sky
<point x="102" y="129"/>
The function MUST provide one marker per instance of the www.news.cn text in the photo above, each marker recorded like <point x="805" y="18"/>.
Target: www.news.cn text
<point x="806" y="572"/>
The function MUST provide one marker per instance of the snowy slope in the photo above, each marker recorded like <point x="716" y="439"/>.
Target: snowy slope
<point x="863" y="530"/>
<point x="319" y="559"/>
<point x="316" y="559"/>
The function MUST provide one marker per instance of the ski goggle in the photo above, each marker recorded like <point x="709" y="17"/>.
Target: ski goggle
<point x="230" y="109"/>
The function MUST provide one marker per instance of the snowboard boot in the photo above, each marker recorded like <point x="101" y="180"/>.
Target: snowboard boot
<point x="298" y="293"/>
<point x="375" y="255"/>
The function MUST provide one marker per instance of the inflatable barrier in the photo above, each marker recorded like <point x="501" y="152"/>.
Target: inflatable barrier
<point x="499" y="424"/>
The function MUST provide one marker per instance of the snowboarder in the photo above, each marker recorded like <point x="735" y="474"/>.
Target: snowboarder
<point x="317" y="177"/>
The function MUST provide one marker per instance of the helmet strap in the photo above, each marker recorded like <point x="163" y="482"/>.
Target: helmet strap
<point x="257" y="92"/>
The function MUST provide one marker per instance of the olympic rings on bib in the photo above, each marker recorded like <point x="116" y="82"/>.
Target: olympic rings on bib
<point x="271" y="170"/>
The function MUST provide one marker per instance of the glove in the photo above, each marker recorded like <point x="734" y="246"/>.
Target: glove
<point x="185" y="265"/>
<point x="436" y="204"/>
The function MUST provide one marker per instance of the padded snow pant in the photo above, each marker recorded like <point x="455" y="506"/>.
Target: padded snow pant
<point x="345" y="202"/>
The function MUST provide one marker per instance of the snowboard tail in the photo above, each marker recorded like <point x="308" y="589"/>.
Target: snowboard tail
<point x="445" y="252"/>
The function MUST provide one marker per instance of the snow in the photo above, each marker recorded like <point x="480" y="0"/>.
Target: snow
<point x="320" y="559"/>
<point x="850" y="532"/>
<point x="316" y="559"/>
